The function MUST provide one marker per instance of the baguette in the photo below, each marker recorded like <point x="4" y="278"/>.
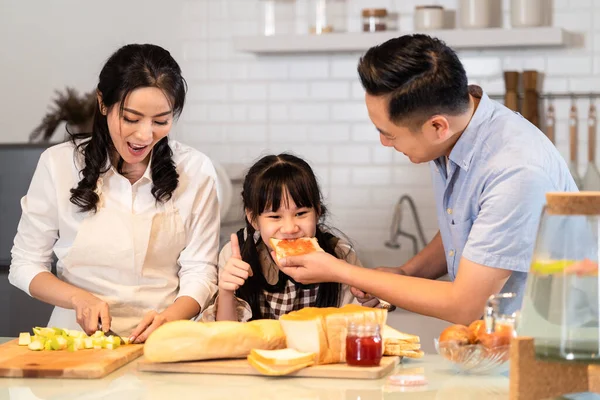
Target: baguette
<point x="189" y="341"/>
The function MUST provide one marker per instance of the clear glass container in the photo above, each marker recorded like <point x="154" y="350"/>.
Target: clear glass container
<point x="326" y="16"/>
<point x="278" y="17"/>
<point x="364" y="346"/>
<point x="560" y="305"/>
<point x="374" y="19"/>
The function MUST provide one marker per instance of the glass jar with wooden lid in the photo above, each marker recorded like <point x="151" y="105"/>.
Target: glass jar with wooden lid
<point x="374" y="19"/>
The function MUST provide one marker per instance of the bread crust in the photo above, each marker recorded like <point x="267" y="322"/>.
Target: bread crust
<point x="186" y="340"/>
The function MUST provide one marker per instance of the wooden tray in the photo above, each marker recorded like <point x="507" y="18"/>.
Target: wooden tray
<point x="241" y="367"/>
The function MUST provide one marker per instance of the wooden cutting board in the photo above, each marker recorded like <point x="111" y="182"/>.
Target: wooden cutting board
<point x="241" y="367"/>
<point x="20" y="362"/>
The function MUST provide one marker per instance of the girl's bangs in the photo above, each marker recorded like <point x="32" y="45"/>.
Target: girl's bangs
<point x="280" y="184"/>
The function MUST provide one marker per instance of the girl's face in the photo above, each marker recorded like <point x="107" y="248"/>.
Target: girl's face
<point x="147" y="118"/>
<point x="289" y="222"/>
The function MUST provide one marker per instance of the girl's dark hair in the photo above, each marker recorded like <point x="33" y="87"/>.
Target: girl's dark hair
<point x="265" y="188"/>
<point x="420" y="75"/>
<point x="129" y="68"/>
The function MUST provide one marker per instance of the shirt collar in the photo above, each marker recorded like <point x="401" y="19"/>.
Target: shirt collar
<point x="464" y="149"/>
<point x="110" y="169"/>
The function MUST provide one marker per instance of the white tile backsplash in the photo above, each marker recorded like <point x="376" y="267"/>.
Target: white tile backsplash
<point x="288" y="91"/>
<point x="309" y="69"/>
<point x="329" y="90"/>
<point x="241" y="106"/>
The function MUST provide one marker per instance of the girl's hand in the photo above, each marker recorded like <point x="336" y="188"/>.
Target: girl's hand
<point x="150" y="322"/>
<point x="236" y="271"/>
<point x="89" y="310"/>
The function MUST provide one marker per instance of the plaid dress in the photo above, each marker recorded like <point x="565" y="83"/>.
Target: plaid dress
<point x="280" y="297"/>
<point x="293" y="297"/>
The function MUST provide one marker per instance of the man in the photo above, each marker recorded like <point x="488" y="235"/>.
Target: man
<point x="491" y="169"/>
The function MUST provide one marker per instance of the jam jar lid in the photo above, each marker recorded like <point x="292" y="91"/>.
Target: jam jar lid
<point x="374" y="12"/>
<point x="362" y="329"/>
<point x="429" y="7"/>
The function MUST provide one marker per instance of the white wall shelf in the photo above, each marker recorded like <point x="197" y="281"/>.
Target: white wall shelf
<point x="360" y="42"/>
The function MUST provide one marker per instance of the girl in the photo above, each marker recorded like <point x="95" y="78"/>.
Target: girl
<point x="282" y="200"/>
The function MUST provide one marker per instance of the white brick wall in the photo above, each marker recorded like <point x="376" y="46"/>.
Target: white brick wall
<point x="313" y="105"/>
<point x="241" y="106"/>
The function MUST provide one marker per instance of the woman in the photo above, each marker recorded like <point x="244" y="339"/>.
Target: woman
<point x="132" y="218"/>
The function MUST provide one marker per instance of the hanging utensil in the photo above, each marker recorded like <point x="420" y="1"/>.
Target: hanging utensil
<point x="511" y="85"/>
<point x="591" y="179"/>
<point x="550" y="120"/>
<point x="530" y="106"/>
<point x="573" y="144"/>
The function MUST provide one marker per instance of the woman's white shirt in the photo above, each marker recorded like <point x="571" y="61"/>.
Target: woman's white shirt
<point x="50" y="222"/>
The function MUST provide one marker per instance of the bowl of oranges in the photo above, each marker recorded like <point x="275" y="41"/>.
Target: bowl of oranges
<point x="474" y="349"/>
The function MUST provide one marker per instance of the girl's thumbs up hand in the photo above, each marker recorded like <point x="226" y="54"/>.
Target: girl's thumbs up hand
<point x="236" y="271"/>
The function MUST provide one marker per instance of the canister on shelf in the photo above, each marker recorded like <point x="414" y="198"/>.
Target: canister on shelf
<point x="475" y="14"/>
<point x="374" y="19"/>
<point x="428" y="18"/>
<point x="327" y="16"/>
<point x="278" y="17"/>
<point x="526" y="13"/>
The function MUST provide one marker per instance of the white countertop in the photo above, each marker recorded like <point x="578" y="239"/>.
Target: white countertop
<point x="129" y="383"/>
<point x="443" y="383"/>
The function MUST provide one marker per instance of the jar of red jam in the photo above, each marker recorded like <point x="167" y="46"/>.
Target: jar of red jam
<point x="364" y="346"/>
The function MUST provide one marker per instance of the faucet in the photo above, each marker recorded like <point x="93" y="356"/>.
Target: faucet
<point x="396" y="229"/>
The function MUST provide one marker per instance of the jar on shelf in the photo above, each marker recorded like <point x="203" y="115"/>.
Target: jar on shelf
<point x="428" y="18"/>
<point x="326" y="16"/>
<point x="526" y="13"/>
<point x="278" y="17"/>
<point x="475" y="14"/>
<point x="364" y="345"/>
<point x="374" y="19"/>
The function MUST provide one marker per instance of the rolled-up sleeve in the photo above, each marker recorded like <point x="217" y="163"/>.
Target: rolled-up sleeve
<point x="504" y="231"/>
<point x="198" y="261"/>
<point x="37" y="231"/>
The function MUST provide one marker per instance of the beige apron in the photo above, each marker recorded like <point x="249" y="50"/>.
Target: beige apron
<point x="128" y="260"/>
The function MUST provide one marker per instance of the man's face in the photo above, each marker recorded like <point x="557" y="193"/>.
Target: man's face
<point x="421" y="145"/>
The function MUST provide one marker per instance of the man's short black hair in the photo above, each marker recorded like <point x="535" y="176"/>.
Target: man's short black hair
<point x="421" y="75"/>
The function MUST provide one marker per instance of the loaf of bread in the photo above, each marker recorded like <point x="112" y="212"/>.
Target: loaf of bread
<point x="188" y="340"/>
<point x="322" y="331"/>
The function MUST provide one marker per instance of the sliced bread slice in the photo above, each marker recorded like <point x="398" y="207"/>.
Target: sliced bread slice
<point x="276" y="370"/>
<point x="294" y="247"/>
<point x="282" y="357"/>
<point x="391" y="335"/>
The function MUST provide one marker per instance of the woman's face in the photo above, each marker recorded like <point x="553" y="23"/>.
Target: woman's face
<point x="147" y="118"/>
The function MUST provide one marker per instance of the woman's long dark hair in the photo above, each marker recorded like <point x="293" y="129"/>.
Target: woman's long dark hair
<point x="265" y="187"/>
<point x="129" y="68"/>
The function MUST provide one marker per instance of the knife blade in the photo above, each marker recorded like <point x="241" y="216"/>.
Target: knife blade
<point x="110" y="332"/>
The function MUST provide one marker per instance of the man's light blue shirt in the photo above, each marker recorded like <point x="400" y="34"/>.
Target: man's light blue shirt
<point x="490" y="199"/>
